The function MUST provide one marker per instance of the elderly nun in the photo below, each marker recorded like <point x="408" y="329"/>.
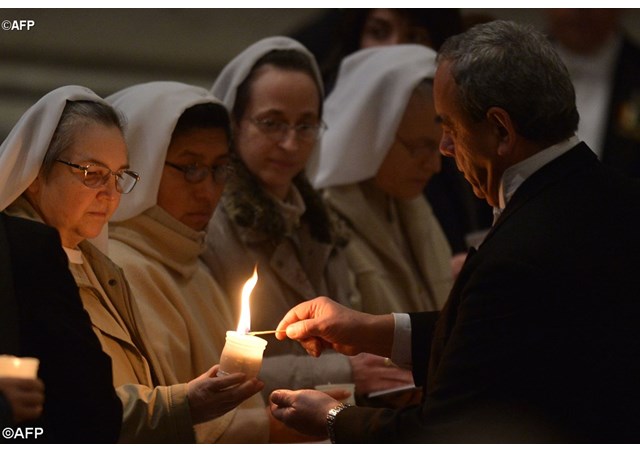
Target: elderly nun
<point x="380" y="150"/>
<point x="67" y="165"/>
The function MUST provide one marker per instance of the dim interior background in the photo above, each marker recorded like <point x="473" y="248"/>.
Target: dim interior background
<point x="109" y="49"/>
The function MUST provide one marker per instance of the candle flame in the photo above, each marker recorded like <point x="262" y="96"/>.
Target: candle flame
<point x="244" y="325"/>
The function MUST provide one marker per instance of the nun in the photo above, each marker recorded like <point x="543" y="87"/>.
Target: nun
<point x="377" y="155"/>
<point x="66" y="165"/>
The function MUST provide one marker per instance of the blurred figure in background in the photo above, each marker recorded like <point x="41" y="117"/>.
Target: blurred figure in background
<point x="604" y="65"/>
<point x="379" y="151"/>
<point x="458" y="210"/>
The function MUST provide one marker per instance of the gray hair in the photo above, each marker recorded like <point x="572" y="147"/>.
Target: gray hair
<point x="514" y="67"/>
<point x="75" y="115"/>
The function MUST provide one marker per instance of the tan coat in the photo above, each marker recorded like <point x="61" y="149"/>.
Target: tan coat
<point x="150" y="413"/>
<point x="283" y="282"/>
<point x="387" y="280"/>
<point x="184" y="312"/>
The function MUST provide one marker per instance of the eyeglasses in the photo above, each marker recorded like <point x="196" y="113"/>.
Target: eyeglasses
<point x="426" y="149"/>
<point x="97" y="175"/>
<point x="197" y="173"/>
<point x="278" y="130"/>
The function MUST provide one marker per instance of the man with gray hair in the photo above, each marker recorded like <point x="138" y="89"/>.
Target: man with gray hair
<point x="538" y="340"/>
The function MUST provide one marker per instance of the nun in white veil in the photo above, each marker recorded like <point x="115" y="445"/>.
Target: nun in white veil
<point x="379" y="152"/>
<point x="178" y="136"/>
<point x="65" y="163"/>
<point x="270" y="215"/>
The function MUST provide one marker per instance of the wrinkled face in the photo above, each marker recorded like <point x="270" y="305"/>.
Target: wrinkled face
<point x="64" y="202"/>
<point x="387" y="27"/>
<point x="472" y="144"/>
<point x="414" y="156"/>
<point x="277" y="96"/>
<point x="193" y="203"/>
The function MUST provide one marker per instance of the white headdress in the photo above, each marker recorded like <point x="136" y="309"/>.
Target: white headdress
<point x="364" y="110"/>
<point x="237" y="70"/>
<point x="23" y="151"/>
<point x="152" y="111"/>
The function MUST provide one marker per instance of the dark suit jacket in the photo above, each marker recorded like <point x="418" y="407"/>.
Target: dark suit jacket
<point x="539" y="340"/>
<point x="49" y="322"/>
<point x="621" y="147"/>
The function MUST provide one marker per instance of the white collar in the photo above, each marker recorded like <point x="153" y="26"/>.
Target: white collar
<point x="515" y="175"/>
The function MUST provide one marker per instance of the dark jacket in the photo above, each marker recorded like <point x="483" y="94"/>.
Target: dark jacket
<point x="49" y="323"/>
<point x="538" y="341"/>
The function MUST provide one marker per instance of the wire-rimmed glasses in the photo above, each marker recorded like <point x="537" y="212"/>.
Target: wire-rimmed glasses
<point x="97" y="175"/>
<point x="196" y="173"/>
<point x="278" y="130"/>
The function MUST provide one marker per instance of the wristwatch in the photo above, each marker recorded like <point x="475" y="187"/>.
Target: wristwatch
<point x="331" y="419"/>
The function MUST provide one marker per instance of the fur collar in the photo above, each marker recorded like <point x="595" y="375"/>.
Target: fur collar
<point x="249" y="206"/>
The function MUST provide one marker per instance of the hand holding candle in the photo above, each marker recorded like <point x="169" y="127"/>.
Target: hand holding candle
<point x="243" y="352"/>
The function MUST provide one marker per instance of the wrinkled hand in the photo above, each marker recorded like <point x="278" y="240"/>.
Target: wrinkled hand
<point x="303" y="410"/>
<point x="321" y="324"/>
<point x="279" y="433"/>
<point x="25" y="396"/>
<point x="372" y="373"/>
<point x="211" y="396"/>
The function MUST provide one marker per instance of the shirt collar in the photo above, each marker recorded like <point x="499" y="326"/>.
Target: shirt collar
<point x="515" y="175"/>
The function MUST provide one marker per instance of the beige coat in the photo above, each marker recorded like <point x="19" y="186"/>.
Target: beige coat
<point x="283" y="282"/>
<point x="387" y="280"/>
<point x="150" y="413"/>
<point x="184" y="312"/>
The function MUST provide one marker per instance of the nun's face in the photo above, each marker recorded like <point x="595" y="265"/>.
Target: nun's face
<point x="278" y="97"/>
<point x="79" y="212"/>
<point x="193" y="202"/>
<point x="414" y="156"/>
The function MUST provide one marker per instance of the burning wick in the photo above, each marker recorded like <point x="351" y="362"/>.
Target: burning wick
<point x="242" y="351"/>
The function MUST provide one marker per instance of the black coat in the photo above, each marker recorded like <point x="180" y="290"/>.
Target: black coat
<point x="539" y="340"/>
<point x="43" y="317"/>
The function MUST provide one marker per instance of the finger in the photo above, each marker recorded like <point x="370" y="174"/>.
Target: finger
<point x="246" y="389"/>
<point x="32" y="398"/>
<point x="282" y="398"/>
<point x="313" y="346"/>
<point x="218" y="383"/>
<point x="213" y="371"/>
<point x="297" y="313"/>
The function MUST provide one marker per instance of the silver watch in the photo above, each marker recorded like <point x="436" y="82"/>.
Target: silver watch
<point x="331" y="419"/>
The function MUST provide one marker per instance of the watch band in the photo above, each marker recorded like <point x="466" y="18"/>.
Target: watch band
<point x="331" y="419"/>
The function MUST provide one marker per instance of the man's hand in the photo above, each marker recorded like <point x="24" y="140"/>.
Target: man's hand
<point x="321" y="323"/>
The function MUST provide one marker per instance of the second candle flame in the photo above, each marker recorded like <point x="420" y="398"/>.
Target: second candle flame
<point x="244" y="325"/>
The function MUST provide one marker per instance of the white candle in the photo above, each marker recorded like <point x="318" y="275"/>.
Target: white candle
<point x="21" y="367"/>
<point x="242" y="352"/>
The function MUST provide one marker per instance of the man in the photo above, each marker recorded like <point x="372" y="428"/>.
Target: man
<point x="538" y="341"/>
<point x="41" y="316"/>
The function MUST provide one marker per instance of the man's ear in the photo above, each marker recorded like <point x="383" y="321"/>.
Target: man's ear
<point x="505" y="129"/>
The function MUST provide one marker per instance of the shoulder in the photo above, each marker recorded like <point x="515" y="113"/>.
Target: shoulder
<point x="37" y="233"/>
